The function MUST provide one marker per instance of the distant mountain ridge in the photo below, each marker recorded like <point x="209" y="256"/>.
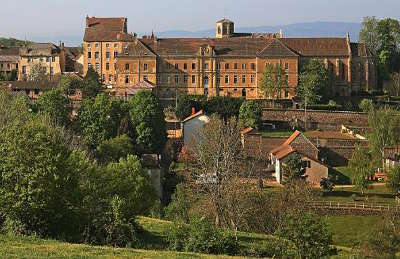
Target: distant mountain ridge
<point x="309" y="29"/>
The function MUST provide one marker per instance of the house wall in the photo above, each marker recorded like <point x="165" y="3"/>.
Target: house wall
<point x="316" y="172"/>
<point x="192" y="127"/>
<point x="29" y="61"/>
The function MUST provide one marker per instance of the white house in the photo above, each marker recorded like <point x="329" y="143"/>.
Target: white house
<point x="191" y="126"/>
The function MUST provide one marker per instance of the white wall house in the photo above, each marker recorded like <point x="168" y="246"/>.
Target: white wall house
<point x="191" y="126"/>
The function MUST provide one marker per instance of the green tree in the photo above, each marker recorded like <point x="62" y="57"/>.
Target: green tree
<point x="91" y="84"/>
<point x="250" y="114"/>
<point x="13" y="109"/>
<point x="360" y="165"/>
<point x="313" y="82"/>
<point x="310" y="235"/>
<point x="369" y="34"/>
<point x="56" y="105"/>
<point x="274" y="81"/>
<point x="148" y="121"/>
<point x="393" y="88"/>
<point x="185" y="105"/>
<point x="293" y="168"/>
<point x="37" y="72"/>
<point x="112" y="150"/>
<point x="366" y="105"/>
<point x="99" y="119"/>
<point x="384" y="124"/>
<point x="39" y="187"/>
<point x="393" y="181"/>
<point x="225" y="106"/>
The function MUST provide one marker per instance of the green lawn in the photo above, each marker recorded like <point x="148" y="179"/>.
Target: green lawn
<point x="277" y="133"/>
<point x="349" y="230"/>
<point x="377" y="194"/>
<point x="155" y="246"/>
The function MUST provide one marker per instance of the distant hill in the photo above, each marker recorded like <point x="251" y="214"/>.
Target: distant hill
<point x="310" y="29"/>
<point x="11" y="42"/>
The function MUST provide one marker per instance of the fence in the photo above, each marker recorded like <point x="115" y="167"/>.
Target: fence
<point x="355" y="206"/>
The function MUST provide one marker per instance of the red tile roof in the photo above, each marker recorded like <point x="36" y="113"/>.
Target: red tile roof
<point x="318" y="46"/>
<point x="106" y="29"/>
<point x="246" y="130"/>
<point x="193" y="116"/>
<point x="292" y="138"/>
<point x="109" y="24"/>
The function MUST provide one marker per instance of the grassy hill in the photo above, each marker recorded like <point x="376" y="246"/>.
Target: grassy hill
<point x="11" y="42"/>
<point x="154" y="245"/>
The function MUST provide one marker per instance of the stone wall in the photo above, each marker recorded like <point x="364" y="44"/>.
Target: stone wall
<point x="324" y="120"/>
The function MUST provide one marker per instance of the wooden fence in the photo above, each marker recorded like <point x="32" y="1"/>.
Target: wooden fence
<point x="332" y="205"/>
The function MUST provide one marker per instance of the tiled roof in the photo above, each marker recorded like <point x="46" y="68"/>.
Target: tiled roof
<point x="318" y="46"/>
<point x="277" y="49"/>
<point x="225" y="20"/>
<point x="292" y="138"/>
<point x="9" y="51"/>
<point x="39" y="49"/>
<point x="137" y="49"/>
<point x="193" y="116"/>
<point x="106" y="29"/>
<point x="222" y="47"/>
<point x="328" y="135"/>
<point x="283" y="151"/>
<point x="246" y="130"/>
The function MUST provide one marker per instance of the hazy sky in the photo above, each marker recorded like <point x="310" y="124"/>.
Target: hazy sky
<point x="67" y="17"/>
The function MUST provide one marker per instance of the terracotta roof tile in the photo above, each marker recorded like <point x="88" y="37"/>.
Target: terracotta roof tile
<point x="246" y="130"/>
<point x="292" y="138"/>
<point x="193" y="116"/>
<point x="318" y="46"/>
<point x="106" y="29"/>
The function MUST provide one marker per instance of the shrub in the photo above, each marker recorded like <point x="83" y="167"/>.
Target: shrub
<point x="202" y="236"/>
<point x="366" y="105"/>
<point x="113" y="149"/>
<point x="275" y="248"/>
<point x="224" y="106"/>
<point x="250" y="114"/>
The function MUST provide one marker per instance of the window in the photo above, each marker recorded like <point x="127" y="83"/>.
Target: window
<point x="252" y="79"/>
<point x="176" y="66"/>
<point x="286" y="94"/>
<point x="41" y="59"/>
<point x="287" y="79"/>
<point x="176" y="79"/>
<point x="36" y="91"/>
<point x="53" y="59"/>
<point x="226" y="65"/>
<point x="115" y="54"/>
<point x="185" y="79"/>
<point x="145" y="66"/>
<point x="253" y="66"/>
<point x="168" y="66"/>
<point x="235" y="66"/>
<point x="243" y="79"/>
<point x="115" y="66"/>
<point x="89" y="65"/>
<point x="145" y="78"/>
<point x="126" y="79"/>
<point x="115" y="45"/>
<point x="107" y="66"/>
<point x="218" y="66"/>
<point x="205" y="80"/>
<point x="218" y="79"/>
<point x="110" y="78"/>
<point x="89" y="55"/>
<point x="185" y="66"/>
<point x="226" y="79"/>
<point x="193" y="66"/>
<point x="107" y="45"/>
<point x="88" y="45"/>
<point x="96" y="55"/>
<point x="96" y="45"/>
<point x="127" y="67"/>
<point x="107" y="54"/>
<point x="193" y="79"/>
<point x="235" y="79"/>
<point x="244" y="66"/>
<point x="286" y="65"/>
<point x="97" y="67"/>
<point x="206" y="66"/>
<point x="47" y="59"/>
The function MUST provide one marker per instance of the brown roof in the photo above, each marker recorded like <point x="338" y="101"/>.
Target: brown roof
<point x="284" y="151"/>
<point x="39" y="49"/>
<point x="277" y="49"/>
<point x="246" y="130"/>
<point x="137" y="49"/>
<point x="221" y="47"/>
<point x="318" y="46"/>
<point x="9" y="51"/>
<point x="193" y="116"/>
<point x="292" y="138"/>
<point x="328" y="135"/>
<point x="106" y="29"/>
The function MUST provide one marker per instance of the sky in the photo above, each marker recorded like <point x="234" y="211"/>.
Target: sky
<point x="37" y="18"/>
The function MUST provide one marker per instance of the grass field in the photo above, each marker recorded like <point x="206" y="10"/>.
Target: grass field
<point x="277" y="134"/>
<point x="31" y="247"/>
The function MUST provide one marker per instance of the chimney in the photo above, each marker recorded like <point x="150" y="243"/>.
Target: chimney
<point x="193" y="111"/>
<point x="87" y="21"/>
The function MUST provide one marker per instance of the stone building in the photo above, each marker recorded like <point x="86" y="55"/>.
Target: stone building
<point x="103" y="40"/>
<point x="8" y="62"/>
<point x="231" y="64"/>
<point x="48" y="55"/>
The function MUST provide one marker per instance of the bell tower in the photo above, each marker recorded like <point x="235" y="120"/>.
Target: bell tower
<point x="225" y="29"/>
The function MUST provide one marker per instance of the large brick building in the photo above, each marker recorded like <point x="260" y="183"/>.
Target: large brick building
<point x="230" y="64"/>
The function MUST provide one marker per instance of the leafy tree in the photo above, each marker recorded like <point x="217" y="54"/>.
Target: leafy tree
<point x="366" y="105"/>
<point x="273" y="81"/>
<point x="384" y="126"/>
<point x="225" y="106"/>
<point x="369" y="34"/>
<point x="13" y="109"/>
<point x="39" y="186"/>
<point x="310" y="235"/>
<point x="180" y="205"/>
<point x="250" y="114"/>
<point x="99" y="119"/>
<point x="37" y="72"/>
<point x="313" y="82"/>
<point x="185" y="105"/>
<point x="148" y="121"/>
<point x="360" y="165"/>
<point x="112" y="150"/>
<point x="393" y="88"/>
<point x="393" y="181"/>
<point x="293" y="168"/>
<point x="91" y="84"/>
<point x="56" y="105"/>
